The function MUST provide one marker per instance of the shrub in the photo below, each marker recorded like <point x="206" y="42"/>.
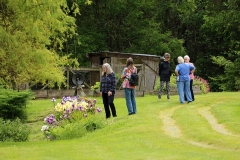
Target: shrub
<point x="202" y="83"/>
<point x="13" y="130"/>
<point x="73" y="118"/>
<point x="96" y="86"/>
<point x="13" y="103"/>
<point x="119" y="81"/>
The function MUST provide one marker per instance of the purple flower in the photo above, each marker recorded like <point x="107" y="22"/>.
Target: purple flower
<point x="82" y="109"/>
<point x="99" y="109"/>
<point x="50" y="119"/>
<point x="73" y="98"/>
<point x="68" y="111"/>
<point x="53" y="100"/>
<point x="66" y="116"/>
<point x="52" y="116"/>
<point x="65" y="99"/>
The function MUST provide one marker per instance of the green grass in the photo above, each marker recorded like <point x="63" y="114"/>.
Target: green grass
<point x="141" y="136"/>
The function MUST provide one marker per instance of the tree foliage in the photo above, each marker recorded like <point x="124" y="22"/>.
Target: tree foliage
<point x="124" y="26"/>
<point x="32" y="32"/>
<point x="200" y="28"/>
<point x="38" y="37"/>
<point x="221" y="34"/>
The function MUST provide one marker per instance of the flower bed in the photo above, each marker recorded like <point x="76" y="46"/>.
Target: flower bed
<point x="73" y="117"/>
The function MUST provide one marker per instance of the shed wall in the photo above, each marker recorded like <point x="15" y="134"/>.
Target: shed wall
<point x="147" y="66"/>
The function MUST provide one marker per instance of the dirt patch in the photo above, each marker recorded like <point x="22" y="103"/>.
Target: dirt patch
<point x="220" y="128"/>
<point x="170" y="128"/>
<point x="169" y="125"/>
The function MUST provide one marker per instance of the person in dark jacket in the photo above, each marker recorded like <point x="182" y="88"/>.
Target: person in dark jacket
<point x="165" y="74"/>
<point x="107" y="89"/>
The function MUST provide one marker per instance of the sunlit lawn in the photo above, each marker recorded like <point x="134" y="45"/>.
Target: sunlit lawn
<point x="141" y="136"/>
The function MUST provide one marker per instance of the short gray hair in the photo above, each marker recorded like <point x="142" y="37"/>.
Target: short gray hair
<point x="187" y="57"/>
<point x="180" y="59"/>
<point x="109" y="68"/>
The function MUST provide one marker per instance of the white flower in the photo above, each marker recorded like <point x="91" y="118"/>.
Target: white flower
<point x="44" y="128"/>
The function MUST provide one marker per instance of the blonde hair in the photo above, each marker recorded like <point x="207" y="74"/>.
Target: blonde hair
<point x="108" y="67"/>
<point x="187" y="57"/>
<point x="180" y="59"/>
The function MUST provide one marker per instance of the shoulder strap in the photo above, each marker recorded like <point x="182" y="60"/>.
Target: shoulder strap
<point x="130" y="70"/>
<point x="133" y="69"/>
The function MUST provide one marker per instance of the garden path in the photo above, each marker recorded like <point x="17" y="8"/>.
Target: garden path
<point x="220" y="128"/>
<point x="168" y="124"/>
<point x="171" y="129"/>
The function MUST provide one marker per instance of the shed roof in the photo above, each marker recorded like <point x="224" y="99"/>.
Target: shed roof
<point x="121" y="54"/>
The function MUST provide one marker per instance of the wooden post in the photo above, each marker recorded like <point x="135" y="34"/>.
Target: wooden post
<point x="67" y="78"/>
<point x="144" y="68"/>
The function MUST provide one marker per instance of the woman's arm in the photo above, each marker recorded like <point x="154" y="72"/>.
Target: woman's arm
<point x="123" y="74"/>
<point x="160" y="68"/>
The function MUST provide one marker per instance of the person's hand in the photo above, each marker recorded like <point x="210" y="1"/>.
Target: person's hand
<point x="109" y="93"/>
<point x="100" y="93"/>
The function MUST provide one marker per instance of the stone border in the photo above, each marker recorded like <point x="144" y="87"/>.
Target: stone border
<point x="42" y="94"/>
<point x="173" y="91"/>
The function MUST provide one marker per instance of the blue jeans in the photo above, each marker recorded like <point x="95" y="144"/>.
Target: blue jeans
<point x="184" y="87"/>
<point x="130" y="100"/>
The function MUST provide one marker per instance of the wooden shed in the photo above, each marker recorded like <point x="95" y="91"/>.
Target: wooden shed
<point x="146" y="64"/>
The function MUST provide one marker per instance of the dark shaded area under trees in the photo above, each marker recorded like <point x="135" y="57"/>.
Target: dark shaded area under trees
<point x="43" y="35"/>
<point x="202" y="29"/>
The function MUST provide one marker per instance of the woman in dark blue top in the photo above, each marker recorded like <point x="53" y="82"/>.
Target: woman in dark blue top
<point x="107" y="90"/>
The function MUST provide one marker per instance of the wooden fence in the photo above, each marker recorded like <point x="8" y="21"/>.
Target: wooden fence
<point x="43" y="94"/>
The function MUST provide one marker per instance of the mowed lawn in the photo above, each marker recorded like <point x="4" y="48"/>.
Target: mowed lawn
<point x="208" y="128"/>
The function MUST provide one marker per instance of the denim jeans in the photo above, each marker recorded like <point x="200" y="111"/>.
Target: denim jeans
<point x="130" y="100"/>
<point x="184" y="88"/>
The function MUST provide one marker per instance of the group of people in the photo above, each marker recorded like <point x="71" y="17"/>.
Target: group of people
<point x="108" y="86"/>
<point x="184" y="78"/>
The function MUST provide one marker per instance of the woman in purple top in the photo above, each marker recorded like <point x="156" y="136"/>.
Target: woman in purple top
<point x="183" y="83"/>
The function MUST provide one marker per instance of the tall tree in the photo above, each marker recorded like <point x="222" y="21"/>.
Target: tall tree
<point x="220" y="40"/>
<point x="124" y="26"/>
<point x="225" y="36"/>
<point x="32" y="32"/>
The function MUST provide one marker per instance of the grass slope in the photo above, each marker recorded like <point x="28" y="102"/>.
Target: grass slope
<point x="208" y="128"/>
